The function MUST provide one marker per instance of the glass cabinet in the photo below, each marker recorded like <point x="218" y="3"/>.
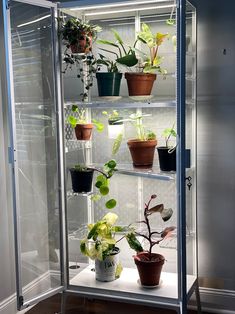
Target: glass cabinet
<point x="60" y="225"/>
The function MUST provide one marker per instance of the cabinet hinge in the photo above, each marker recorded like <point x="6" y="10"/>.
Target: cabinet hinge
<point x="21" y="300"/>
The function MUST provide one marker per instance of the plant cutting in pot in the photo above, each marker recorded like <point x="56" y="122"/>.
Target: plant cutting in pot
<point x="149" y="264"/>
<point x="141" y="83"/>
<point x="167" y="153"/>
<point x="82" y="127"/>
<point x="77" y="37"/>
<point x="142" y="148"/>
<point x="115" y="124"/>
<point x="82" y="176"/>
<point x="100" y="245"/>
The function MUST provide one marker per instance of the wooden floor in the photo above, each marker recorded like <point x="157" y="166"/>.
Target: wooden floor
<point x="77" y="305"/>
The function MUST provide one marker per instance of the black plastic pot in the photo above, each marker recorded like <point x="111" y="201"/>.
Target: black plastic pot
<point x="167" y="158"/>
<point x="108" y="83"/>
<point x="81" y="180"/>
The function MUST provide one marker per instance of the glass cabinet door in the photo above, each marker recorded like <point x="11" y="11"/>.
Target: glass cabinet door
<point x="35" y="147"/>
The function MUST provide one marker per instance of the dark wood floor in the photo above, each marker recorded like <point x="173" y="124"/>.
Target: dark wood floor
<point x="77" y="305"/>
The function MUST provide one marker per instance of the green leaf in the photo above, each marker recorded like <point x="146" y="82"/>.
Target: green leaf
<point x="112" y="164"/>
<point x="117" y="36"/>
<point x="111" y="203"/>
<point x="98" y="184"/>
<point x="118" y="271"/>
<point x="117" y="144"/>
<point x="93" y="230"/>
<point x="106" y="42"/>
<point x="72" y="121"/>
<point x="99" y="126"/>
<point x="134" y="242"/>
<point x="74" y="108"/>
<point x="104" y="190"/>
<point x="128" y="60"/>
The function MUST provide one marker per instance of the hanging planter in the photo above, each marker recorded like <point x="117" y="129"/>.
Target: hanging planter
<point x="109" y="83"/>
<point x="82" y="44"/>
<point x="105" y="270"/>
<point x="142" y="152"/>
<point x="81" y="179"/>
<point x="140" y="83"/>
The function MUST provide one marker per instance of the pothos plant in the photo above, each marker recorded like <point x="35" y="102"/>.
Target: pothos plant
<point x="152" y="237"/>
<point x="101" y="239"/>
<point x="72" y="31"/>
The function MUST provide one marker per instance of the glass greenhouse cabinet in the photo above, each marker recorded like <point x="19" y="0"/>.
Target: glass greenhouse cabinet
<point x="131" y="153"/>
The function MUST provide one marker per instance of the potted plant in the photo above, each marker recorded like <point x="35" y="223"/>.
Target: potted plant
<point x="149" y="264"/>
<point x="115" y="123"/>
<point x="141" y="83"/>
<point x="142" y="148"/>
<point x="82" y="176"/>
<point x="167" y="153"/>
<point x="83" y="129"/>
<point x="123" y="54"/>
<point x="108" y="82"/>
<point x="100" y="245"/>
<point x="78" y="35"/>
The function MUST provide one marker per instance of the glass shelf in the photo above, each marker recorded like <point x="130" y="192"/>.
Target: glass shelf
<point x="154" y="173"/>
<point x="126" y="102"/>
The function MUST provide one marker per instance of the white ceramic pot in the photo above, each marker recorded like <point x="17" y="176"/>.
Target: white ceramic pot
<point x="105" y="270"/>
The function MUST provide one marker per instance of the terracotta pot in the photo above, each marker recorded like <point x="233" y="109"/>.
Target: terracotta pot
<point x="149" y="268"/>
<point x="142" y="152"/>
<point x="140" y="83"/>
<point x="83" y="44"/>
<point x="83" y="131"/>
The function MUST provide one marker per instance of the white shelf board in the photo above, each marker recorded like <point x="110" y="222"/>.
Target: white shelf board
<point x="127" y="286"/>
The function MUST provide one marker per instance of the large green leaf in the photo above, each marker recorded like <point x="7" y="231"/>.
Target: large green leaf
<point x="128" y="60"/>
<point x="117" y="36"/>
<point x="106" y="42"/>
<point x="134" y="243"/>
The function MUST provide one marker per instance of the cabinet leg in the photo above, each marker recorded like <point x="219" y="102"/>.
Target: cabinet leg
<point x="62" y="304"/>
<point x="198" y="299"/>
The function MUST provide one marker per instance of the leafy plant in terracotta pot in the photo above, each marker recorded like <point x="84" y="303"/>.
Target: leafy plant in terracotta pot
<point x="82" y="127"/>
<point x="167" y="153"/>
<point x="100" y="245"/>
<point x="141" y="83"/>
<point x="115" y="123"/>
<point x="142" y="148"/>
<point x="149" y="264"/>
